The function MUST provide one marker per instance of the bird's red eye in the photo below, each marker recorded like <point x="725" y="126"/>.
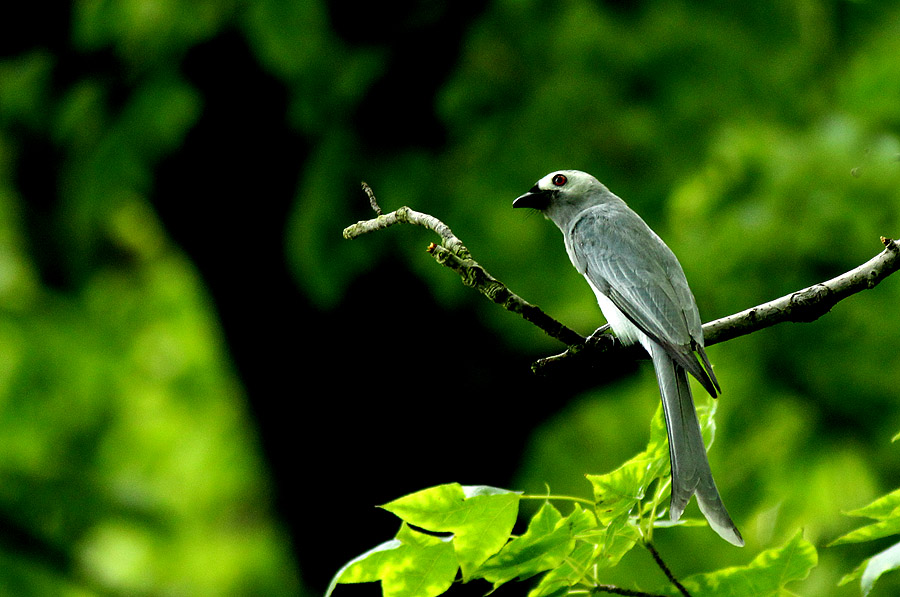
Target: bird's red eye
<point x="559" y="180"/>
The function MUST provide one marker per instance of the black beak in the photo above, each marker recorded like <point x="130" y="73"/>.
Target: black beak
<point x="535" y="198"/>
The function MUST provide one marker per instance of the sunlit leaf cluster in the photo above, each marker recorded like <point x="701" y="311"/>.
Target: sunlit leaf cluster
<point x="453" y="533"/>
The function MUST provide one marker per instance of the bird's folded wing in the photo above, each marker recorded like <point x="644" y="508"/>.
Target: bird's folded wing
<point x="631" y="265"/>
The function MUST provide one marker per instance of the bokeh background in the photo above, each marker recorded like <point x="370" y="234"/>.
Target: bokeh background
<point x="205" y="389"/>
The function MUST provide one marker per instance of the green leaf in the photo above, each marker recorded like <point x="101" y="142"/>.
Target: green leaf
<point x="594" y="548"/>
<point x="544" y="545"/>
<point x="471" y="491"/>
<point x="886" y="510"/>
<point x="871" y="569"/>
<point x="481" y="518"/>
<point x="618" y="492"/>
<point x="412" y="565"/>
<point x="367" y="567"/>
<point x="616" y="542"/>
<point x="881" y="509"/>
<point x="765" y="576"/>
<point x="870" y="532"/>
<point x="550" y="538"/>
<point x="581" y="522"/>
<point x="567" y="574"/>
<point x="855" y="575"/>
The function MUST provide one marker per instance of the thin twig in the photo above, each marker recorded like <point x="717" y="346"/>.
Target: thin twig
<point x="371" y="195"/>
<point x="803" y="305"/>
<point x="662" y="565"/>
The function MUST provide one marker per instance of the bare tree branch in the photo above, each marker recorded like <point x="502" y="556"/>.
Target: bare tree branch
<point x="662" y="566"/>
<point x="810" y="303"/>
<point x="477" y="277"/>
<point x="406" y="215"/>
<point x="453" y="254"/>
<point x="803" y="305"/>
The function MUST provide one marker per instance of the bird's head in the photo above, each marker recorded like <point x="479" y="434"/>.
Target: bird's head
<point x="563" y="194"/>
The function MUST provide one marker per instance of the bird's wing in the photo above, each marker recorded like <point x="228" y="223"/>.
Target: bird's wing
<point x="626" y="261"/>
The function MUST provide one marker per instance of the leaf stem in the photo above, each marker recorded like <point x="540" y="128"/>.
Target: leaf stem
<point x="661" y="486"/>
<point x="568" y="498"/>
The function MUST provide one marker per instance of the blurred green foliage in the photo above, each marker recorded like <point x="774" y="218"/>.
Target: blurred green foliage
<point x="760" y="139"/>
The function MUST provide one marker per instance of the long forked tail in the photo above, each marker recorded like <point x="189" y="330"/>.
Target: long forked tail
<point x="690" y="468"/>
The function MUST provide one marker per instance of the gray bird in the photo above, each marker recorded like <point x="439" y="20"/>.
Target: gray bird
<point x="644" y="296"/>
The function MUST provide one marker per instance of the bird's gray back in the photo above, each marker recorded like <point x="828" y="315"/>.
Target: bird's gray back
<point x="623" y="258"/>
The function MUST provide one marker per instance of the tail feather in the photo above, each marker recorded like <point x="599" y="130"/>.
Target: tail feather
<point x="691" y="474"/>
